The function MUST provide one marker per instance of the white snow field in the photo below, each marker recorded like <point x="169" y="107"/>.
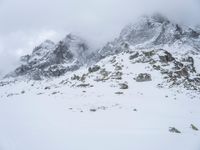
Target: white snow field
<point x="60" y="114"/>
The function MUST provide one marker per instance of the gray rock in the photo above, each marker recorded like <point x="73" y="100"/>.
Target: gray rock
<point x="133" y="56"/>
<point x="47" y="88"/>
<point x="93" y="110"/>
<point x="167" y="57"/>
<point x="75" y="77"/>
<point x="143" y="77"/>
<point x="174" y="130"/>
<point x="119" y="93"/>
<point x="84" y="85"/>
<point x="117" y="75"/>
<point x="94" y="69"/>
<point x="123" y="86"/>
<point x="194" y="127"/>
<point x="22" y="92"/>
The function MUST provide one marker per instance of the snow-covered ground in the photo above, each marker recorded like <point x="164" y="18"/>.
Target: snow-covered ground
<point x="60" y="114"/>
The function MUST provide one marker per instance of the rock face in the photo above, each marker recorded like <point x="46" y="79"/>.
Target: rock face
<point x="53" y="60"/>
<point x="166" y="57"/>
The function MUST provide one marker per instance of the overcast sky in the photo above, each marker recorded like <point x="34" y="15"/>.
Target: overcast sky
<point x="26" y="23"/>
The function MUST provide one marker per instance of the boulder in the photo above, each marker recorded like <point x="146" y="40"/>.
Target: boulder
<point x="174" y="130"/>
<point x="166" y="57"/>
<point x="194" y="127"/>
<point x="94" y="69"/>
<point x="143" y="77"/>
<point x="133" y="56"/>
<point x="123" y="86"/>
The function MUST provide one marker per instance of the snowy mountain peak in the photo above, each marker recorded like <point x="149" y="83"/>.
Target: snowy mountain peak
<point x="156" y="31"/>
<point x="50" y="60"/>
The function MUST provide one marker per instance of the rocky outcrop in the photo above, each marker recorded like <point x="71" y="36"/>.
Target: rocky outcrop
<point x="143" y="77"/>
<point x="174" y="130"/>
<point x="123" y="86"/>
<point x="177" y="72"/>
<point x="94" y="68"/>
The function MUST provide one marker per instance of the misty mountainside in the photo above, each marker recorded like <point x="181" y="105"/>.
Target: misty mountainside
<point x="53" y="60"/>
<point x="169" y="48"/>
<point x="156" y="32"/>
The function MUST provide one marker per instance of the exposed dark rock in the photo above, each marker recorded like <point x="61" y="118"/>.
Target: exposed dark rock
<point x="93" y="110"/>
<point x="75" y="77"/>
<point x="94" y="69"/>
<point x="117" y="75"/>
<point x="156" y="67"/>
<point x="39" y="93"/>
<point x="22" y="92"/>
<point x="190" y="63"/>
<point x="84" y="85"/>
<point x="53" y="93"/>
<point x="143" y="77"/>
<point x="149" y="53"/>
<point x="166" y="57"/>
<point x="22" y="70"/>
<point x="123" y="86"/>
<point x="25" y="58"/>
<point x="183" y="72"/>
<point x="174" y="130"/>
<point x="62" y="53"/>
<point x="102" y="108"/>
<point x="4" y="83"/>
<point x="104" y="73"/>
<point x="12" y="94"/>
<point x="117" y="68"/>
<point x="47" y="88"/>
<point x="119" y="93"/>
<point x="194" y="127"/>
<point x="133" y="56"/>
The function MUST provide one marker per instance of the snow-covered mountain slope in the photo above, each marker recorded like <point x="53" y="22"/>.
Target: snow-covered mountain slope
<point x="125" y="101"/>
<point x="140" y="91"/>
<point x="53" y="60"/>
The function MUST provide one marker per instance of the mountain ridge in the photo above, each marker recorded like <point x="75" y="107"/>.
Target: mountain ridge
<point x="53" y="60"/>
<point x="149" y="32"/>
